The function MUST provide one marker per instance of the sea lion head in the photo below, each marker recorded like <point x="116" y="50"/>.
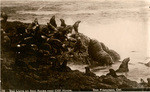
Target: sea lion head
<point x="76" y="25"/>
<point x="63" y="24"/>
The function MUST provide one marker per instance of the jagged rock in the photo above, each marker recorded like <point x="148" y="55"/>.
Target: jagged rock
<point x="124" y="66"/>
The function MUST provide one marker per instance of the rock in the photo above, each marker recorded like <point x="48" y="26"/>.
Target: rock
<point x="109" y="80"/>
<point x="115" y="56"/>
<point x="124" y="66"/>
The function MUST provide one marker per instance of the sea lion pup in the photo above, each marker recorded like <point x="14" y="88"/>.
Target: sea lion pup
<point x="63" y="24"/>
<point x="53" y="21"/>
<point x="124" y="65"/>
<point x="112" y="73"/>
<point x="76" y="25"/>
<point x="88" y="72"/>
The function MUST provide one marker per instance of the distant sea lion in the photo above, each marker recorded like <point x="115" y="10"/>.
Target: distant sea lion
<point x="88" y="72"/>
<point x="143" y="83"/>
<point x="3" y="20"/>
<point x="124" y="65"/>
<point x="63" y="24"/>
<point x="53" y="21"/>
<point x="148" y="64"/>
<point x="64" y="67"/>
<point x="148" y="79"/>
<point x="76" y="25"/>
<point x="4" y="17"/>
<point x="112" y="73"/>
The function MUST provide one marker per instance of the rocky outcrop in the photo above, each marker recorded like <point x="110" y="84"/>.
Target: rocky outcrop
<point x="37" y="57"/>
<point x="43" y="78"/>
<point x="124" y="66"/>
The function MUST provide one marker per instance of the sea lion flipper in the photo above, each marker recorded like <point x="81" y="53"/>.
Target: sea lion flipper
<point x="76" y="25"/>
<point x="53" y="21"/>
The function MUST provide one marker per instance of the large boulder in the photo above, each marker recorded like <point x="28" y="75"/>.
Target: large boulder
<point x="115" y="56"/>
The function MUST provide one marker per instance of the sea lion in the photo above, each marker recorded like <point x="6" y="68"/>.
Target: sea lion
<point x="33" y="27"/>
<point x="143" y="83"/>
<point x="63" y="24"/>
<point x="64" y="67"/>
<point x="97" y="53"/>
<point x="76" y="25"/>
<point x="36" y="21"/>
<point x="4" y="17"/>
<point x="148" y="64"/>
<point x="88" y="72"/>
<point x="148" y="79"/>
<point x="3" y="20"/>
<point x="112" y="73"/>
<point x="53" y="21"/>
<point x="124" y="65"/>
<point x="52" y="28"/>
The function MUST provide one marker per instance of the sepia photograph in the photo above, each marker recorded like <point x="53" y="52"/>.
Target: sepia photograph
<point x="74" y="45"/>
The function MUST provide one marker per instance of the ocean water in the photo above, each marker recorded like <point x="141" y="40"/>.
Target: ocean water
<point x="122" y="25"/>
